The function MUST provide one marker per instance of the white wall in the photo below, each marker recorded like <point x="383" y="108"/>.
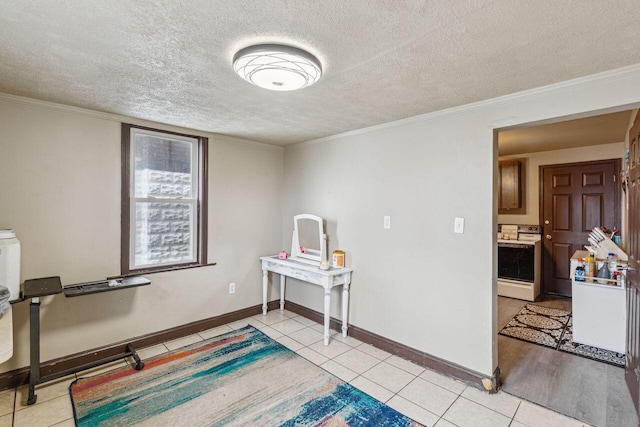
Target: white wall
<point x="60" y="192"/>
<point x="533" y="161"/>
<point x="419" y="283"/>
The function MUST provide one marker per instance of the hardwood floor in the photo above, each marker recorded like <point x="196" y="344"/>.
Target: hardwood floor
<point x="592" y="392"/>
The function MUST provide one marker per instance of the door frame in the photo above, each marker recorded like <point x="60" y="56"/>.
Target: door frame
<point x="496" y="130"/>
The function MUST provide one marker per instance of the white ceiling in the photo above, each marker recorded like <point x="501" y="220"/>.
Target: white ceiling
<point x="601" y="129"/>
<point x="170" y="61"/>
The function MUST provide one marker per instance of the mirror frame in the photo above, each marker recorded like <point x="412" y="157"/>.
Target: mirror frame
<point x="312" y="256"/>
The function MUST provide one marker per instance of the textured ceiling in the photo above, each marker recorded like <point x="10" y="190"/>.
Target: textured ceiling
<point x="170" y="61"/>
<point x="602" y="129"/>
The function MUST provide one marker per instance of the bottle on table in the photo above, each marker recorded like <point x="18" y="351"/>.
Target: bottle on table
<point x="590" y="268"/>
<point x="612" y="262"/>
<point x="604" y="273"/>
<point x="580" y="271"/>
<point x="616" y="278"/>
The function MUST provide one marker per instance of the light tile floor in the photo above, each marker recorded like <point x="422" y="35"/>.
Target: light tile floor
<point x="426" y="396"/>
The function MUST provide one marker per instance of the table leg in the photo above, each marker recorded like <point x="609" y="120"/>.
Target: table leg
<point x="345" y="303"/>
<point x="34" y="349"/>
<point x="282" y="289"/>
<point x="265" y="284"/>
<point x="327" y="310"/>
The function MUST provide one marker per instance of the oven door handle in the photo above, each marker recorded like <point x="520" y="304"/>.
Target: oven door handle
<point x="515" y="245"/>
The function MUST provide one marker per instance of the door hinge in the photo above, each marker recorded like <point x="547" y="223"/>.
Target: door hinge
<point x="614" y="178"/>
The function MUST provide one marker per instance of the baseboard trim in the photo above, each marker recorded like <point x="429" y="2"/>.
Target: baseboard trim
<point x="490" y="384"/>
<point x="20" y="376"/>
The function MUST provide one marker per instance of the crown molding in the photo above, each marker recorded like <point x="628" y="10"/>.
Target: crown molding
<point x="32" y="102"/>
<point x="232" y="140"/>
<point x="48" y="105"/>
<point x="529" y="94"/>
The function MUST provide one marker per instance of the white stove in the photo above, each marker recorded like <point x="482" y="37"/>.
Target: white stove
<point x="521" y="240"/>
<point x="519" y="262"/>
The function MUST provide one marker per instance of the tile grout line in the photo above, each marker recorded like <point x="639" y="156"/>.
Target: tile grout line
<point x="516" y="412"/>
<point x="377" y="383"/>
<point x="409" y="400"/>
<point x="452" y="403"/>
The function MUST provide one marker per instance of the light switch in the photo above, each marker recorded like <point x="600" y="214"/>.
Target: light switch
<point x="458" y="225"/>
<point x="387" y="222"/>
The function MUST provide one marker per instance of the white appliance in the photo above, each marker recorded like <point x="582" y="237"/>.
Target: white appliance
<point x="9" y="278"/>
<point x="10" y="263"/>
<point x="519" y="263"/>
<point x="6" y="336"/>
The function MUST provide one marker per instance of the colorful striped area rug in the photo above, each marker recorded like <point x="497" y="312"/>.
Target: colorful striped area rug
<point x="241" y="378"/>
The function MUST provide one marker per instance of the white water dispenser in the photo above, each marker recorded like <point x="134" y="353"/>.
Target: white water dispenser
<point x="9" y="278"/>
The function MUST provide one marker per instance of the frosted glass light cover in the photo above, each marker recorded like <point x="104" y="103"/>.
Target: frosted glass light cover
<point x="277" y="67"/>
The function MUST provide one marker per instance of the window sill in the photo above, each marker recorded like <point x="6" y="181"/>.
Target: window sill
<point x="160" y="270"/>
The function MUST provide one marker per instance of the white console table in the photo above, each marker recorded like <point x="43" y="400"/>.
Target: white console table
<point x="312" y="274"/>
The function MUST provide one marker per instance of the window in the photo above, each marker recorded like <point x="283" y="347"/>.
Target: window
<point x="164" y="200"/>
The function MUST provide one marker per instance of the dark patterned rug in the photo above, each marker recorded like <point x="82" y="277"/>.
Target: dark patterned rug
<point x="552" y="327"/>
<point x="539" y="325"/>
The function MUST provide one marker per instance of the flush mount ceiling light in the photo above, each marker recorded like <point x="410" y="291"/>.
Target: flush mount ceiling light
<point x="277" y="67"/>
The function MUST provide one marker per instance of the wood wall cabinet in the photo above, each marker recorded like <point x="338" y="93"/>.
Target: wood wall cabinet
<point x="510" y="187"/>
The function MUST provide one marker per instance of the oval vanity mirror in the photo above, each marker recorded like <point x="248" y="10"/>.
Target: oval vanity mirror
<point x="309" y="240"/>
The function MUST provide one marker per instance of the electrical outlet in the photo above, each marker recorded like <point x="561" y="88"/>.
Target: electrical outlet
<point x="232" y="288"/>
<point x="387" y="222"/>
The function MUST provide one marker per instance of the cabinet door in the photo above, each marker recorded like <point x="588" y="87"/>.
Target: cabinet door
<point x="510" y="186"/>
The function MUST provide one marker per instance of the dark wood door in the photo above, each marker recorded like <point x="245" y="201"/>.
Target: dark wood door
<point x="632" y="370"/>
<point x="575" y="198"/>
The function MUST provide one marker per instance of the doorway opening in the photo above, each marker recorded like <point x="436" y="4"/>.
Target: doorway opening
<point x="550" y="156"/>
